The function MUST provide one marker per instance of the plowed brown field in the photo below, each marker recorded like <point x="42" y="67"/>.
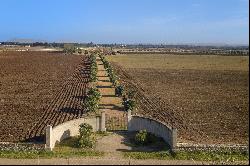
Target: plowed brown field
<point x="207" y="102"/>
<point x="39" y="89"/>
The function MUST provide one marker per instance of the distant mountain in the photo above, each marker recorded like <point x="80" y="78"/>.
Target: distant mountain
<point x="19" y="40"/>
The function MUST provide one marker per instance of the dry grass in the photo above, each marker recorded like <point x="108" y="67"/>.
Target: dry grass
<point x="178" y="62"/>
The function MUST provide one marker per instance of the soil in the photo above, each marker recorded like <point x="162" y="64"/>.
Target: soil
<point x="39" y="89"/>
<point x="206" y="106"/>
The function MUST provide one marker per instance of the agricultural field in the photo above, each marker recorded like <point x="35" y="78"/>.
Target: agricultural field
<point x="204" y="97"/>
<point x="39" y="89"/>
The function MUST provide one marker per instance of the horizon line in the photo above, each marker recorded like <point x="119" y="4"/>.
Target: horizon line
<point x="128" y="43"/>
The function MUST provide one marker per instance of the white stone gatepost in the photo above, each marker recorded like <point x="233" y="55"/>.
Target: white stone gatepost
<point x="129" y="119"/>
<point x="174" y="138"/>
<point x="49" y="138"/>
<point x="103" y="122"/>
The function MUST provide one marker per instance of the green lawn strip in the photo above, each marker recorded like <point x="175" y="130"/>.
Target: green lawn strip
<point x="48" y="155"/>
<point x="194" y="155"/>
<point x="212" y="156"/>
<point x="148" y="155"/>
<point x="66" y="149"/>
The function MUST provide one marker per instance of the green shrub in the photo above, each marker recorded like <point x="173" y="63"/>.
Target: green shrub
<point x="104" y="61"/>
<point x="113" y="78"/>
<point x="69" y="48"/>
<point x="145" y="138"/>
<point x="95" y="93"/>
<point x="93" y="68"/>
<point x="79" y="51"/>
<point x="141" y="137"/>
<point x="92" y="100"/>
<point x="129" y="104"/>
<point x="86" y="138"/>
<point x="119" y="90"/>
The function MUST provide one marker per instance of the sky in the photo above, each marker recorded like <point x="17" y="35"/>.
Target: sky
<point x="126" y="21"/>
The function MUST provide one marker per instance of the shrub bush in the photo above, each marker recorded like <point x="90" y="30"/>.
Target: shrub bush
<point x="92" y="100"/>
<point x="119" y="90"/>
<point x="93" y="68"/>
<point x="69" y="48"/>
<point x="141" y="137"/>
<point x="113" y="78"/>
<point x="128" y="104"/>
<point x="144" y="138"/>
<point x="95" y="93"/>
<point x="86" y="138"/>
<point x="79" y="51"/>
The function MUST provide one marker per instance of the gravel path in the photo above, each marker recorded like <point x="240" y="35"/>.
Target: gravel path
<point x="109" y="103"/>
<point x="113" y="145"/>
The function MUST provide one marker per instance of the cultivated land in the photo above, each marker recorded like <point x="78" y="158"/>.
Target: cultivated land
<point x="38" y="89"/>
<point x="205" y="97"/>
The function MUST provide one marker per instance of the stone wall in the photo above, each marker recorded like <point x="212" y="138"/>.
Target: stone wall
<point x="211" y="147"/>
<point x="71" y="128"/>
<point x="6" y="146"/>
<point x="137" y="123"/>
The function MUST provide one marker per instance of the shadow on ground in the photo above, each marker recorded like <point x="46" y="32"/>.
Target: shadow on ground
<point x="109" y="96"/>
<point x="102" y="87"/>
<point x="101" y="76"/>
<point x="79" y="97"/>
<point x="35" y="140"/>
<point x="69" y="110"/>
<point x="123" y="141"/>
<point x="128" y="140"/>
<point x="114" y="107"/>
<point x="103" y="80"/>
